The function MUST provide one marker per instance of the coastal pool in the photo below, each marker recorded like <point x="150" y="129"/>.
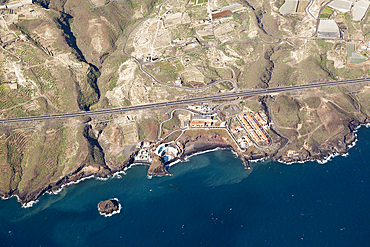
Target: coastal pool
<point x="211" y="200"/>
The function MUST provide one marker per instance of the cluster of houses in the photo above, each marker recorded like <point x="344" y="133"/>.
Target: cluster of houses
<point x="245" y="141"/>
<point x="201" y="108"/>
<point x="181" y="42"/>
<point x="204" y="21"/>
<point x="262" y="119"/>
<point x="178" y="81"/>
<point x="365" y="46"/>
<point x="252" y="124"/>
<point x="11" y="37"/>
<point x="236" y="129"/>
<point x="146" y="58"/>
<point x="201" y="121"/>
<point x="143" y="144"/>
<point x="144" y="153"/>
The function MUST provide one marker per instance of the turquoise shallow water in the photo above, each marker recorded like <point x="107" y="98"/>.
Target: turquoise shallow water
<point x="218" y="203"/>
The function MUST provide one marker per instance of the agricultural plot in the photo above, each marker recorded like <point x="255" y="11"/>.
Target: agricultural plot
<point x="192" y="74"/>
<point x="327" y="11"/>
<point x="198" y="12"/>
<point x="178" y="64"/>
<point x="205" y="30"/>
<point x="5" y="101"/>
<point x="165" y="65"/>
<point x="224" y="29"/>
<point x="31" y="54"/>
<point x="98" y="3"/>
<point x="208" y="37"/>
<point x="198" y="1"/>
<point x="176" y="19"/>
<point x="171" y="20"/>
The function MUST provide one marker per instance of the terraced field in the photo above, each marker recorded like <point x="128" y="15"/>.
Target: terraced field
<point x="11" y="156"/>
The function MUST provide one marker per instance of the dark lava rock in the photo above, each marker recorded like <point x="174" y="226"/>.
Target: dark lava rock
<point x="108" y="207"/>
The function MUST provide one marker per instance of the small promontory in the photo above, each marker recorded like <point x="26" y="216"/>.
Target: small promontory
<point x="109" y="207"/>
<point x="157" y="168"/>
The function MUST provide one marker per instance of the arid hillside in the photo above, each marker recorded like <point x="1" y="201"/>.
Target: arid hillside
<point x="75" y="56"/>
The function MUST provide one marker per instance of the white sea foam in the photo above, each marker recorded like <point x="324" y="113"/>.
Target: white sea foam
<point x="57" y="191"/>
<point x="115" y="212"/>
<point x="174" y="163"/>
<point x="24" y="205"/>
<point x="118" y="174"/>
<point x="235" y="153"/>
<point x="29" y="204"/>
<point x="132" y="165"/>
<point x="258" y="160"/>
<point x="203" y="152"/>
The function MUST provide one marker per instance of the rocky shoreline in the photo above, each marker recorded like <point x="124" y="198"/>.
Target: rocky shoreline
<point x="193" y="147"/>
<point x="325" y="153"/>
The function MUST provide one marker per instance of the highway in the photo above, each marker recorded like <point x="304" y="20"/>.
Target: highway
<point x="221" y="96"/>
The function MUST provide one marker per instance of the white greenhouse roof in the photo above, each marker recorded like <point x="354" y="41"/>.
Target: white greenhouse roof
<point x="289" y="7"/>
<point x="341" y="5"/>
<point x="359" y="10"/>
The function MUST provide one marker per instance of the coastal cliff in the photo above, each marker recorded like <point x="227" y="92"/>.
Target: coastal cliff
<point x="326" y="150"/>
<point x="191" y="143"/>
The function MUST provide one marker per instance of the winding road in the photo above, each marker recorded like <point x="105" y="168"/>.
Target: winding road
<point x="221" y="96"/>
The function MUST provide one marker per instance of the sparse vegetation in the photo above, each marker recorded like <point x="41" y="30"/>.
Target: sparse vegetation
<point x="72" y="62"/>
<point x="147" y="129"/>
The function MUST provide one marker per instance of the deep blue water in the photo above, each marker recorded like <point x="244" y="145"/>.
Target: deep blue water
<point x="218" y="203"/>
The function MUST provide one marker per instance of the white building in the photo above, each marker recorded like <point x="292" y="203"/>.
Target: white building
<point x="328" y="29"/>
<point x="359" y="10"/>
<point x="289" y="7"/>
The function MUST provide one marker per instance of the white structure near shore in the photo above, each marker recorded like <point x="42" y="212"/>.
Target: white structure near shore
<point x="167" y="152"/>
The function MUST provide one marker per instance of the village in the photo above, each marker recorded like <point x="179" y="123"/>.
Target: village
<point x="246" y="130"/>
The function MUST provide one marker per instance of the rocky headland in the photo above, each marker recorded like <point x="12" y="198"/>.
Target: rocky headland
<point x="157" y="168"/>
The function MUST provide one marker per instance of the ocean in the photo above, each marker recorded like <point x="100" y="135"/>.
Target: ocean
<point x="210" y="200"/>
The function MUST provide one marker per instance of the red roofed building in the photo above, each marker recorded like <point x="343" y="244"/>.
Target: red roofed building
<point x="197" y="124"/>
<point x="221" y="14"/>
